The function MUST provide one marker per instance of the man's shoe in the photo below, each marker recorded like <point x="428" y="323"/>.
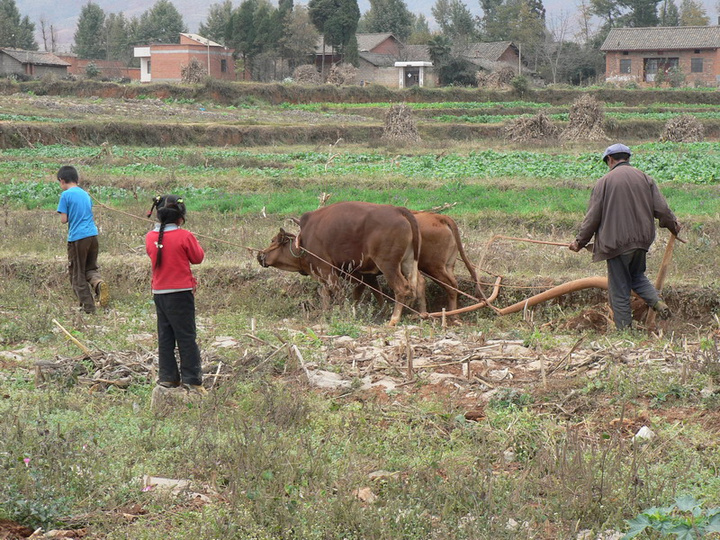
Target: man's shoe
<point x="103" y="293"/>
<point x="196" y="389"/>
<point x="662" y="310"/>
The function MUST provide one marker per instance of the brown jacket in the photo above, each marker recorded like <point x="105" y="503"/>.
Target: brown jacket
<point x="622" y="211"/>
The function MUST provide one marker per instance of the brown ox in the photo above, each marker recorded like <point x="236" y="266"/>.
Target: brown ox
<point x="441" y="245"/>
<point x="355" y="241"/>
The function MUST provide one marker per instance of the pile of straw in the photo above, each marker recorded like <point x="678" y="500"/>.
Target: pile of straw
<point x="342" y="74"/>
<point x="193" y="72"/>
<point x="685" y="128"/>
<point x="586" y="120"/>
<point x="532" y="128"/>
<point x="400" y="125"/>
<point x="307" y="74"/>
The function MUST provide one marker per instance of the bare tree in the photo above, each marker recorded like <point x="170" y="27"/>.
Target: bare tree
<point x="48" y="33"/>
<point x="557" y="28"/>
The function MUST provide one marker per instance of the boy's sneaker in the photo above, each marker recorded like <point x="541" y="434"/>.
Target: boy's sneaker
<point x="103" y="293"/>
<point x="662" y="310"/>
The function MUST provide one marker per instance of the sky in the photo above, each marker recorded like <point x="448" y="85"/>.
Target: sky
<point x="63" y="15"/>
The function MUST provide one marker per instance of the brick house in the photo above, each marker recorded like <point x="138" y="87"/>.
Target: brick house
<point x="33" y="64"/>
<point x="162" y="62"/>
<point x="638" y="54"/>
<point x="385" y="60"/>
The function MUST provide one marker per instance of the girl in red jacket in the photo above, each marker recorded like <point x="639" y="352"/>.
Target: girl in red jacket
<point x="172" y="250"/>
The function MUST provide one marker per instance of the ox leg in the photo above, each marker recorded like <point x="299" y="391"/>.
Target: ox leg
<point x="403" y="291"/>
<point x="371" y="281"/>
<point x="421" y="298"/>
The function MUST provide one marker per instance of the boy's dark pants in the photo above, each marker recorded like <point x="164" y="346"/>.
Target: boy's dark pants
<point x="176" y="324"/>
<point x="83" y="270"/>
<point x="627" y="273"/>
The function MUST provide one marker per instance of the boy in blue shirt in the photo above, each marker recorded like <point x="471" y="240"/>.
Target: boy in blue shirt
<point x="75" y="209"/>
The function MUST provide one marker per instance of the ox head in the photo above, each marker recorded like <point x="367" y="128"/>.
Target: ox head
<point x="282" y="253"/>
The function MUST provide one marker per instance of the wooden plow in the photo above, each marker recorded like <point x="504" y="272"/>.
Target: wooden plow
<point x="597" y="282"/>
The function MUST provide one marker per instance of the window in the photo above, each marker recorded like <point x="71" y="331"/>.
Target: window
<point x="223" y="65"/>
<point x="148" y="66"/>
<point x="696" y="65"/>
<point x="625" y="65"/>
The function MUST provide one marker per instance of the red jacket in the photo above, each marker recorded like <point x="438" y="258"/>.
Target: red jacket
<point x="180" y="250"/>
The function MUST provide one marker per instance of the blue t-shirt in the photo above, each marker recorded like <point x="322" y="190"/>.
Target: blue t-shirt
<point x="77" y="204"/>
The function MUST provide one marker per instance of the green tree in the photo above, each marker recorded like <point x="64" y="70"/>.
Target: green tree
<point x="16" y="31"/>
<point x="118" y="37"/>
<point x="520" y="21"/>
<point x="608" y="10"/>
<point x="90" y="38"/>
<point x="300" y="37"/>
<point x="455" y="21"/>
<point x="440" y="51"/>
<point x="389" y="16"/>
<point x="692" y="13"/>
<point x="669" y="14"/>
<point x="162" y="23"/>
<point x="336" y="20"/>
<point x="218" y="20"/>
<point x="641" y="13"/>
<point x="251" y="31"/>
<point x="420" y="30"/>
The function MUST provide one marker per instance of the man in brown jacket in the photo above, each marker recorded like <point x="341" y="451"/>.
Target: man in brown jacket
<point x="621" y="214"/>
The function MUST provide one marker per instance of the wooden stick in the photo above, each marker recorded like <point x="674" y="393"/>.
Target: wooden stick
<point x="72" y="338"/>
<point x="409" y="353"/>
<point x="662" y="274"/>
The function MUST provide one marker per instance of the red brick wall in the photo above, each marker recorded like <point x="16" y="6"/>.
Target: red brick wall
<point x="387" y="46"/>
<point x="108" y="68"/>
<point x="168" y="59"/>
<point x="709" y="75"/>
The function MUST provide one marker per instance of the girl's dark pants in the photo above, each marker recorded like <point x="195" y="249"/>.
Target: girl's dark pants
<point x="176" y="325"/>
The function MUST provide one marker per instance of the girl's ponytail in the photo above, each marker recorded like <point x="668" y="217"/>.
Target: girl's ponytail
<point x="170" y="209"/>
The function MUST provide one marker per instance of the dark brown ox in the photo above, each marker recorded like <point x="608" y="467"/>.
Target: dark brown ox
<point x="352" y="241"/>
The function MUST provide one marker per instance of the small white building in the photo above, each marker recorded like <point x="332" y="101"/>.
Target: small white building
<point x="412" y="73"/>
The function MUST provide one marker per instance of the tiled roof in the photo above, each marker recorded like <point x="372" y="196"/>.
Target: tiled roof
<point x="487" y="51"/>
<point x="366" y="42"/>
<point x="201" y="40"/>
<point x="38" y="58"/>
<point x="379" y="60"/>
<point x="415" y="53"/>
<point x="662" y="38"/>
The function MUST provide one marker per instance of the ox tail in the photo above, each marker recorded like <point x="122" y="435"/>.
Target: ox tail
<point x="416" y="243"/>
<point x="473" y="275"/>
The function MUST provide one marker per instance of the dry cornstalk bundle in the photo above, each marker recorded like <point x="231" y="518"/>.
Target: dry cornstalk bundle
<point x="399" y="125"/>
<point x="307" y="74"/>
<point x="342" y="74"/>
<point x="685" y="128"/>
<point x="499" y="78"/>
<point x="529" y="128"/>
<point x="586" y="120"/>
<point x="193" y="72"/>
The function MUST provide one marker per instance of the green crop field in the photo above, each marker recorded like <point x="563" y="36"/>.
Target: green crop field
<point x="321" y="420"/>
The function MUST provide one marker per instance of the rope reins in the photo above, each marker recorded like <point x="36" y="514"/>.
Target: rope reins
<point x="484" y="301"/>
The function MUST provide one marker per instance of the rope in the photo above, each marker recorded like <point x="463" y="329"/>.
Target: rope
<point x="352" y="277"/>
<point x="200" y="235"/>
